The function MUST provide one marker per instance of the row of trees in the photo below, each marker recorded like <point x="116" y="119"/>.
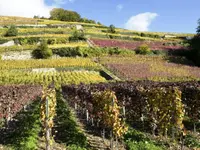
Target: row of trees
<point x="64" y="15"/>
<point x="67" y="15"/>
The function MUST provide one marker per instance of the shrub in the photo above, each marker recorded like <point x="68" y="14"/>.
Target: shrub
<point x="12" y="31"/>
<point x="42" y="52"/>
<point x="157" y="36"/>
<point x="191" y="141"/>
<point x="117" y="51"/>
<point x="67" y="51"/>
<point x="111" y="29"/>
<point x="142" y="35"/>
<point x="143" y="50"/>
<point x="61" y="40"/>
<point x="77" y="36"/>
<point x="114" y="50"/>
<point x="159" y="52"/>
<point x="137" y="140"/>
<point x="2" y="41"/>
<point x="27" y="40"/>
<point x="90" y="51"/>
<point x="51" y="41"/>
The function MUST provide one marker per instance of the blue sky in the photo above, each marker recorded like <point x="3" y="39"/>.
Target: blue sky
<point x="172" y="15"/>
<point x="145" y="15"/>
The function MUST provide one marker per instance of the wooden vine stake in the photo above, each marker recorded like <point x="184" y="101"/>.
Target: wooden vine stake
<point x="48" y="111"/>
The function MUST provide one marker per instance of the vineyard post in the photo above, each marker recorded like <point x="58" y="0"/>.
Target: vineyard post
<point x="87" y="115"/>
<point x="116" y="143"/>
<point x="92" y="121"/>
<point x="124" y="109"/>
<point x="182" y="141"/>
<point x="75" y="106"/>
<point x="142" y="119"/>
<point x="103" y="133"/>
<point x="173" y="134"/>
<point x="98" y="122"/>
<point x="112" y="139"/>
<point x="25" y="107"/>
<point x="46" y="126"/>
<point x="195" y="130"/>
<point x="9" y="116"/>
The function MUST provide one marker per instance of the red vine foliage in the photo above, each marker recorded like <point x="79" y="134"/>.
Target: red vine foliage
<point x="129" y="94"/>
<point x="14" y="98"/>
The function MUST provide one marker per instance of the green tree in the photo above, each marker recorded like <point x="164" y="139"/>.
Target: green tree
<point x="36" y="17"/>
<point x="71" y="16"/>
<point x="57" y="13"/>
<point x="198" y="28"/>
<point x="67" y="15"/>
<point x="42" y="52"/>
<point x="64" y="15"/>
<point x="111" y="29"/>
<point x="194" y="54"/>
<point x="85" y="20"/>
<point x="12" y="31"/>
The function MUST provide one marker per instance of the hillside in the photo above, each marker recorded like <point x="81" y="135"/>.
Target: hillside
<point x="109" y="88"/>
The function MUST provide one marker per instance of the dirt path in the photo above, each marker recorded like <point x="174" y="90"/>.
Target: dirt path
<point x="95" y="141"/>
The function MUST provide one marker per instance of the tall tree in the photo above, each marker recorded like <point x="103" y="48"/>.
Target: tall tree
<point x="64" y="15"/>
<point x="195" y="45"/>
<point x="57" y="13"/>
<point x="198" y="28"/>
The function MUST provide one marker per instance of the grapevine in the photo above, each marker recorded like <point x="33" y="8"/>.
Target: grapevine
<point x="165" y="108"/>
<point x="48" y="112"/>
<point x="105" y="106"/>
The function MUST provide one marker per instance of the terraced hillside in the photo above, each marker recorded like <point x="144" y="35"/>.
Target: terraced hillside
<point x="107" y="87"/>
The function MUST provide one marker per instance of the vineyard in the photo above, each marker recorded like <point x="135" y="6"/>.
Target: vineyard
<point x="134" y="45"/>
<point x="163" y="109"/>
<point x="65" y="77"/>
<point x="151" y="68"/>
<point x="48" y="63"/>
<point x="98" y="90"/>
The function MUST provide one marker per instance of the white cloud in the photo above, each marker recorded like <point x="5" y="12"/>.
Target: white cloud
<point x="25" y="8"/>
<point x="140" y="22"/>
<point x="119" y="7"/>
